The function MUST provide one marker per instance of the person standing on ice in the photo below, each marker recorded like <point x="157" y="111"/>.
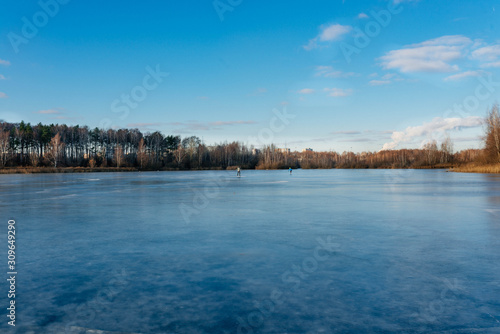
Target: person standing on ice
<point x="290" y="170"/>
<point x="238" y="172"/>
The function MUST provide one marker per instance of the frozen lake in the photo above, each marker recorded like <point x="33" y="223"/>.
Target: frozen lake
<point x="319" y="251"/>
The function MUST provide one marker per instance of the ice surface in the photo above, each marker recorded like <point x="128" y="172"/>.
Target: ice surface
<point x="207" y="252"/>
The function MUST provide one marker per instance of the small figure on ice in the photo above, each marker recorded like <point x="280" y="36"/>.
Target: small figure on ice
<point x="290" y="170"/>
<point x="238" y="172"/>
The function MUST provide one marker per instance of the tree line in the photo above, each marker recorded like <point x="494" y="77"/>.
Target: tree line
<point x="26" y="145"/>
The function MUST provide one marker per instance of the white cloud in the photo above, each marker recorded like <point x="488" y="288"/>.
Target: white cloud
<point x="3" y="95"/>
<point x="338" y="92"/>
<point x="329" y="72"/>
<point x="2" y="77"/>
<point x="434" y="55"/>
<point x="363" y="16"/>
<point x="306" y="91"/>
<point x="437" y="125"/>
<point x="492" y="64"/>
<point x="328" y="34"/>
<point x="489" y="55"/>
<point x="4" y="62"/>
<point x="463" y="75"/>
<point x="379" y="82"/>
<point x="333" y="32"/>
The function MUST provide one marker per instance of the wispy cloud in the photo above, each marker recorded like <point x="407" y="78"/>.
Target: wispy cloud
<point x="258" y="91"/>
<point x="389" y="76"/>
<point x="356" y="140"/>
<point x="306" y="91"/>
<point x="401" y="1"/>
<point x="338" y="92"/>
<point x="56" y="113"/>
<point x="492" y="64"/>
<point x="48" y="112"/>
<point x="379" y="82"/>
<point x="437" y="125"/>
<point x="68" y="118"/>
<point x="4" y="62"/>
<point x="353" y="132"/>
<point x="191" y="126"/>
<point x="225" y="123"/>
<point x="329" y="72"/>
<point x="146" y="126"/>
<point x="2" y="77"/>
<point x="463" y="75"/>
<point x="489" y="55"/>
<point x="386" y="79"/>
<point x="467" y="139"/>
<point x="3" y="95"/>
<point x="363" y="16"/>
<point x="328" y="34"/>
<point x="202" y="97"/>
<point x="435" y="55"/>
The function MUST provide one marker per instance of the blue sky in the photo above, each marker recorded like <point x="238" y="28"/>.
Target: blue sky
<point x="330" y="75"/>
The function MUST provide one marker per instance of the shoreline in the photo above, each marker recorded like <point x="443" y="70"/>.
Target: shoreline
<point x="486" y="169"/>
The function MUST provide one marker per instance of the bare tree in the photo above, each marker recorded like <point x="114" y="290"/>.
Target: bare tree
<point x="4" y="147"/>
<point x="56" y="149"/>
<point x="142" y="157"/>
<point x="190" y="145"/>
<point x="179" y="155"/>
<point x="118" y="155"/>
<point x="492" y="138"/>
<point x="446" y="150"/>
<point x="431" y="151"/>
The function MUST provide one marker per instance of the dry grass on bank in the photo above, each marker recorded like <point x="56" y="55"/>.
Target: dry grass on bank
<point x="472" y="168"/>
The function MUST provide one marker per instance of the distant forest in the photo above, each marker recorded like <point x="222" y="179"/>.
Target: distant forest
<point x="26" y="145"/>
